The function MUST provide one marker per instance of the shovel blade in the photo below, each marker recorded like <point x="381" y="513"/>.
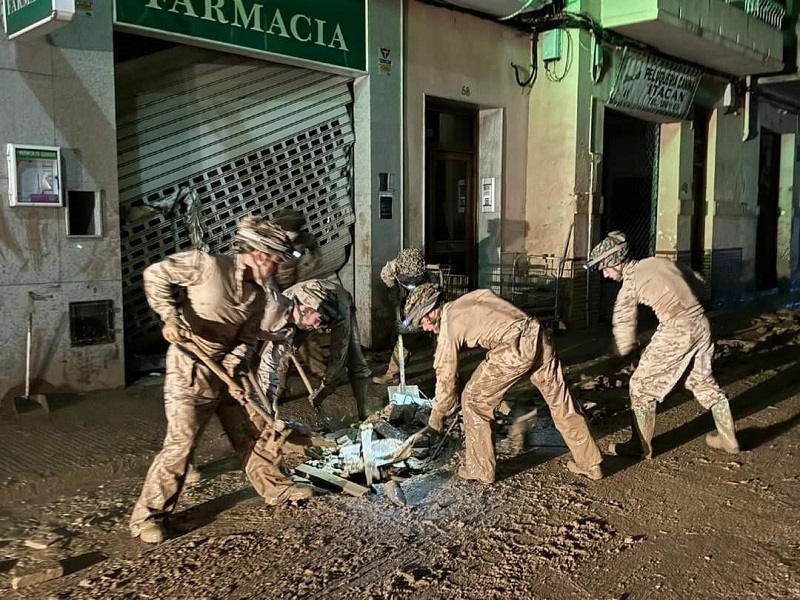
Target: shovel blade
<point x="410" y="395"/>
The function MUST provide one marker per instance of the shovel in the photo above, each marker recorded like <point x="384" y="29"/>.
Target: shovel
<point x="30" y="403"/>
<point x="405" y="394"/>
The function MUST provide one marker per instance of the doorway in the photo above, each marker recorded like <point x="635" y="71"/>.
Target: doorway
<point x="768" y="214"/>
<point x="630" y="189"/>
<point x="450" y="191"/>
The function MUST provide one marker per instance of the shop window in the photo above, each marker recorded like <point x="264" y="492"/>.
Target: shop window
<point x="84" y="214"/>
<point x="91" y="323"/>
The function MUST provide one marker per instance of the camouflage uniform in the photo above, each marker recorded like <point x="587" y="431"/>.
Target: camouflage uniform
<point x="401" y="275"/>
<point x="517" y="345"/>
<point x="345" y="349"/>
<point x="223" y="312"/>
<point x="682" y="339"/>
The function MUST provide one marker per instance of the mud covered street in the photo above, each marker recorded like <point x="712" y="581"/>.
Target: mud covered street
<point x="690" y="523"/>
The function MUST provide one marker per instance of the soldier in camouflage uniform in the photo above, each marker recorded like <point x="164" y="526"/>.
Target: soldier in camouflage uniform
<point x="517" y="345"/>
<point x="401" y="276"/>
<point x="682" y="340"/>
<point x="220" y="314"/>
<point x="336" y="303"/>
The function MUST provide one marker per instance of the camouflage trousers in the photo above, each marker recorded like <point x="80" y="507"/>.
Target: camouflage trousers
<point x="192" y="395"/>
<point x="674" y="347"/>
<point x="532" y="352"/>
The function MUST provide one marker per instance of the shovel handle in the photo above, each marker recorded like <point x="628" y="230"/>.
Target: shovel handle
<point x="302" y="372"/>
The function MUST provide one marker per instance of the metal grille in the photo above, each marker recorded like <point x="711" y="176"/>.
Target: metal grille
<point x="292" y="148"/>
<point x="769" y="11"/>
<point x="725" y="268"/>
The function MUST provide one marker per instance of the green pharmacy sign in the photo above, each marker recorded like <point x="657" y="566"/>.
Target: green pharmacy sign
<point x="326" y="32"/>
<point x="26" y="19"/>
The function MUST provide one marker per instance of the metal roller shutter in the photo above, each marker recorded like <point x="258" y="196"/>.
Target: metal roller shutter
<point x="246" y="136"/>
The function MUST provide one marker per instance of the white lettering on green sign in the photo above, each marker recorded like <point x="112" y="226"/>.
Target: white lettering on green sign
<point x="234" y="12"/>
<point x="13" y="6"/>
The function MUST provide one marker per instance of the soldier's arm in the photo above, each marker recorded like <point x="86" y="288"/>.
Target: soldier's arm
<point x="445" y="364"/>
<point x="184" y="268"/>
<point x="624" y="320"/>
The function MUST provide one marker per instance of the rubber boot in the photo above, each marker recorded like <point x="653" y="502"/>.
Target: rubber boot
<point x="360" y="388"/>
<point x="724" y="438"/>
<point x="643" y="421"/>
<point x="291" y="493"/>
<point x="392" y="375"/>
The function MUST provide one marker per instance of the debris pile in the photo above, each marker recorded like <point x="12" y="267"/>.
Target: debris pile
<point x="372" y="452"/>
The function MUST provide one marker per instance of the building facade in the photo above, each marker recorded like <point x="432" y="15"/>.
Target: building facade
<point x="505" y="137"/>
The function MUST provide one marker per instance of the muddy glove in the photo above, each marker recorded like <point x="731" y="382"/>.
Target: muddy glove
<point x="174" y="330"/>
<point x="317" y="397"/>
<point x="236" y="366"/>
<point x="402" y="328"/>
<point x="436" y="421"/>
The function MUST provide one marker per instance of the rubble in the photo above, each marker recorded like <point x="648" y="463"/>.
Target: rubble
<point x="395" y="493"/>
<point x="369" y="451"/>
<point x="33" y="572"/>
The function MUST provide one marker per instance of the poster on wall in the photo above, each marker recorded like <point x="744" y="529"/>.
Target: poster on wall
<point x="462" y="196"/>
<point x="653" y="85"/>
<point x="34" y="175"/>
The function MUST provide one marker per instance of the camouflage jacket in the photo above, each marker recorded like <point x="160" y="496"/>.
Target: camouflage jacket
<point x="341" y="326"/>
<point x="222" y="309"/>
<point x="655" y="282"/>
<point x="479" y="319"/>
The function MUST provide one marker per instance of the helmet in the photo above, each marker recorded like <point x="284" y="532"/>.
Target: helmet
<point x="610" y="252"/>
<point x="290" y="219"/>
<point x="256" y="233"/>
<point x="411" y="268"/>
<point x="421" y="301"/>
<point x="319" y="294"/>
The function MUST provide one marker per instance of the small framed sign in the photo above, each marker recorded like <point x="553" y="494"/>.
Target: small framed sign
<point x="34" y="175"/>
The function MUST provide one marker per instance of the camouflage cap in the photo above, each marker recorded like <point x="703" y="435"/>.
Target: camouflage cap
<point x="257" y="233"/>
<point x="319" y="294"/>
<point x="410" y="264"/>
<point x="610" y="252"/>
<point x="421" y="301"/>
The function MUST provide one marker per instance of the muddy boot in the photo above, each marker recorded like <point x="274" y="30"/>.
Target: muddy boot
<point x="641" y="443"/>
<point x="290" y="493"/>
<point x="193" y="475"/>
<point x="364" y="403"/>
<point x="724" y="438"/>
<point x="595" y="473"/>
<point x="150" y="532"/>
<point x="464" y="474"/>
<point x="518" y="432"/>
<point x="392" y="375"/>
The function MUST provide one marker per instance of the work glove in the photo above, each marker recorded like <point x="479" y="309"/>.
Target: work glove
<point x="236" y="366"/>
<point x="436" y="421"/>
<point x="175" y="330"/>
<point x="317" y="397"/>
<point x="402" y="328"/>
<point x="238" y="393"/>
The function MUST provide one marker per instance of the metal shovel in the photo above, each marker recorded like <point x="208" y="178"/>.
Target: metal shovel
<point x="30" y="403"/>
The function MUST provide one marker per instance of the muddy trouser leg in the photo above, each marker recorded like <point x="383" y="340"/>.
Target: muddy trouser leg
<point x="484" y="391"/>
<point x="312" y="354"/>
<point x="569" y="420"/>
<point x="701" y="383"/>
<point x="261" y="451"/>
<point x="190" y="398"/>
<point x="359" y="372"/>
<point x="662" y="364"/>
